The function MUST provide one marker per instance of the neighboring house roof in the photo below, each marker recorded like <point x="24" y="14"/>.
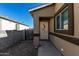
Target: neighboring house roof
<point x="39" y="7"/>
<point x="6" y="18"/>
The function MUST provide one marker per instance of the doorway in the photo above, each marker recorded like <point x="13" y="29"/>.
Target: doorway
<point x="44" y="25"/>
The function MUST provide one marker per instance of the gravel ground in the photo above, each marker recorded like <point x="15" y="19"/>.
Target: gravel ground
<point x="22" y="48"/>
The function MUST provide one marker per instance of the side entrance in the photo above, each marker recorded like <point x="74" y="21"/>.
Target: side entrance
<point x="44" y="29"/>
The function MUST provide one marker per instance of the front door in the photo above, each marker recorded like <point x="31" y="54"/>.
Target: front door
<point x="44" y="30"/>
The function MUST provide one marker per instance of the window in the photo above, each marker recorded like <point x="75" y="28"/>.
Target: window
<point x="58" y="22"/>
<point x="62" y="20"/>
<point x="17" y="27"/>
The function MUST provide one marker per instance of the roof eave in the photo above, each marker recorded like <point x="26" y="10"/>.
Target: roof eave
<point x="39" y="7"/>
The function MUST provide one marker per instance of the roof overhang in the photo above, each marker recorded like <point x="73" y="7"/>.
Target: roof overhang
<point x="39" y="7"/>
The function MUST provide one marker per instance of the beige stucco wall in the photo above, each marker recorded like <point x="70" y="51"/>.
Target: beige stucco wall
<point x="35" y="41"/>
<point x="36" y="24"/>
<point x="66" y="47"/>
<point x="76" y="19"/>
<point x="58" y="6"/>
<point x="45" y="12"/>
<point x="52" y="25"/>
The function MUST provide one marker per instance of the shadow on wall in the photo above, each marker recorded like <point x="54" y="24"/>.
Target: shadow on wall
<point x="10" y="37"/>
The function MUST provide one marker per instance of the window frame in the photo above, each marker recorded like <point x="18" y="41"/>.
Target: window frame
<point x="70" y="30"/>
<point x="56" y="22"/>
<point x="60" y="15"/>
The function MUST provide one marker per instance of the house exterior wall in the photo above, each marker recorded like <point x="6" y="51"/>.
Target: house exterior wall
<point x="8" y="25"/>
<point x="45" y="12"/>
<point x="0" y="24"/>
<point x="58" y="6"/>
<point x="51" y="25"/>
<point x="76" y="19"/>
<point x="22" y="27"/>
<point x="66" y="47"/>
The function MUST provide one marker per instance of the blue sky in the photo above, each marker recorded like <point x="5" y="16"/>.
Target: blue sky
<point x="18" y="11"/>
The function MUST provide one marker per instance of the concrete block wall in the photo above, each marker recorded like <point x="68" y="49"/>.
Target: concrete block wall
<point x="29" y="34"/>
<point x="12" y="38"/>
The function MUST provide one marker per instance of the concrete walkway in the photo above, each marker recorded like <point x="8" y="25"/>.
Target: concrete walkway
<point x="47" y="49"/>
<point x="22" y="48"/>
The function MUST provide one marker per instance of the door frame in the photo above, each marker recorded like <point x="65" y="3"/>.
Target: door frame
<point x="42" y="19"/>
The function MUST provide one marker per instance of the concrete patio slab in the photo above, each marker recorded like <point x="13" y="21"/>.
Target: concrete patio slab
<point x="47" y="49"/>
<point x="22" y="48"/>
